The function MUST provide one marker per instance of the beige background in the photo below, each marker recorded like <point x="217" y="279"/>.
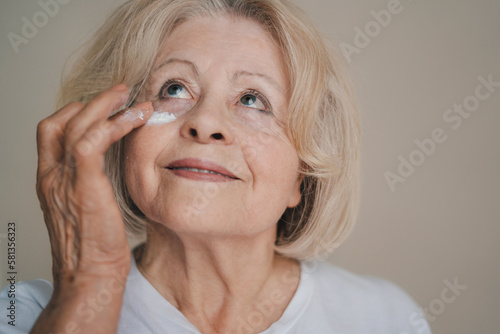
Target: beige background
<point x="442" y="223"/>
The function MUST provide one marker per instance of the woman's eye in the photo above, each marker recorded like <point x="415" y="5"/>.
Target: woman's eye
<point x="254" y="101"/>
<point x="174" y="91"/>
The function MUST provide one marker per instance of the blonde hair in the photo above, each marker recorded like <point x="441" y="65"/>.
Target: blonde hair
<point x="323" y="121"/>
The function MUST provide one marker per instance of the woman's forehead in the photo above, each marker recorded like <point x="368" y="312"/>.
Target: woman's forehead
<point x="233" y="43"/>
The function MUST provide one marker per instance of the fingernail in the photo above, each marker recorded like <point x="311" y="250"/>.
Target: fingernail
<point x="146" y="106"/>
<point x="119" y="88"/>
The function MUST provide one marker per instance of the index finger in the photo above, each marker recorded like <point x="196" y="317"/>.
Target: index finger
<point x="96" y="110"/>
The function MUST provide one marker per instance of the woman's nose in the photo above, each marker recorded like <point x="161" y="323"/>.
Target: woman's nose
<point x="208" y="122"/>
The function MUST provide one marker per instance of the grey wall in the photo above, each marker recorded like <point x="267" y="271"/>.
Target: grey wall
<point x="441" y="224"/>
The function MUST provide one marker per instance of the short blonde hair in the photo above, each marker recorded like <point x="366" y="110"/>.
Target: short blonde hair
<point x="322" y="124"/>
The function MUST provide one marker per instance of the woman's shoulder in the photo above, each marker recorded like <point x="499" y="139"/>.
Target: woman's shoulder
<point x="21" y="303"/>
<point x="374" y="300"/>
<point x="330" y="276"/>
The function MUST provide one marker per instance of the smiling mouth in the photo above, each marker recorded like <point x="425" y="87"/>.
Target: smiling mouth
<point x="204" y="171"/>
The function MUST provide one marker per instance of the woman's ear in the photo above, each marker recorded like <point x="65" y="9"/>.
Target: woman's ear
<point x="295" y="195"/>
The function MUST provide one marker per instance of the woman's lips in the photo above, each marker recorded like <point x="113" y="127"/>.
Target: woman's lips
<point x="201" y="169"/>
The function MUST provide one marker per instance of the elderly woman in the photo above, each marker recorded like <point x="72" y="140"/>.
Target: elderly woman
<point x="229" y="141"/>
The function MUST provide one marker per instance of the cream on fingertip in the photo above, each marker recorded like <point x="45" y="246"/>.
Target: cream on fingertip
<point x="132" y="114"/>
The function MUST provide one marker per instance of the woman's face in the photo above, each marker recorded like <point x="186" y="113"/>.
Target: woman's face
<point x="225" y="81"/>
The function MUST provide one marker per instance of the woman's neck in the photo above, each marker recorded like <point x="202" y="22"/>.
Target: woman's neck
<point x="218" y="282"/>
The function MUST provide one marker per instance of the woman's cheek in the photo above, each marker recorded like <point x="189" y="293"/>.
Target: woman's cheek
<point x="139" y="164"/>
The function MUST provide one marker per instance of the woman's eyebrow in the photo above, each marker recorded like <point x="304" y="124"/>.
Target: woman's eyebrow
<point x="193" y="66"/>
<point x="269" y="79"/>
<point x="236" y="75"/>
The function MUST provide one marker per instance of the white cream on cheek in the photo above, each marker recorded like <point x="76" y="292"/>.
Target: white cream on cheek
<point x="161" y="117"/>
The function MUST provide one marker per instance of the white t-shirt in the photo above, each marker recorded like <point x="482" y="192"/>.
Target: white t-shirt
<point x="328" y="300"/>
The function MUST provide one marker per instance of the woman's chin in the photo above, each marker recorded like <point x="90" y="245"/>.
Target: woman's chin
<point x="207" y="224"/>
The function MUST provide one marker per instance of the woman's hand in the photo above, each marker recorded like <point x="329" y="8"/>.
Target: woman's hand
<point x="86" y="230"/>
